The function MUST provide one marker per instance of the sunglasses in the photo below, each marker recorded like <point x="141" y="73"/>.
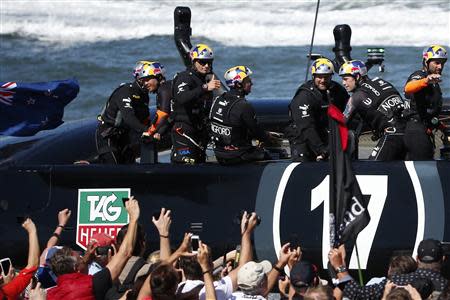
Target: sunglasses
<point x="205" y="62"/>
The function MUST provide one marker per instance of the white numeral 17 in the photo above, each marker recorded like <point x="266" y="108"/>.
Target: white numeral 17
<point x="373" y="185"/>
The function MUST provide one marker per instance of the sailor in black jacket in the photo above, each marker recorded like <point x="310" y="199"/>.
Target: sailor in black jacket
<point x="192" y="97"/>
<point x="125" y="117"/>
<point x="308" y="129"/>
<point x="380" y="105"/>
<point x="423" y="90"/>
<point x="233" y="122"/>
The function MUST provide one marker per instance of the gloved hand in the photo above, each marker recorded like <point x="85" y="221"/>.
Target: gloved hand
<point x="322" y="156"/>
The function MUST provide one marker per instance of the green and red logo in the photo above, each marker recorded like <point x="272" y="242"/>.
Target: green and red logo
<point x="100" y="210"/>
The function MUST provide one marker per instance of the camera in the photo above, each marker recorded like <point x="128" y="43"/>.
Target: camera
<point x="195" y="243"/>
<point x="104" y="250"/>
<point x="239" y="218"/>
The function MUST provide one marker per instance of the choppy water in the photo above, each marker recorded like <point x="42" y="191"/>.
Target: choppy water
<point x="98" y="42"/>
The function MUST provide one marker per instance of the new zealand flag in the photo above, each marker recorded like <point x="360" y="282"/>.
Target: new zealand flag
<point x="26" y="108"/>
<point x="348" y="206"/>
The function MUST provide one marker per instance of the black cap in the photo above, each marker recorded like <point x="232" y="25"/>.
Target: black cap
<point x="303" y="274"/>
<point x="430" y="251"/>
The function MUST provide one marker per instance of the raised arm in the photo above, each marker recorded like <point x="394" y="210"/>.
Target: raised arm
<point x="119" y="260"/>
<point x="63" y="218"/>
<point x="162" y="224"/>
<point x="285" y="256"/>
<point x="203" y="259"/>
<point x="248" y="224"/>
<point x="33" y="243"/>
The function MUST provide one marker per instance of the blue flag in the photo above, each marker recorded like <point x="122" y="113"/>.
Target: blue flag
<point x="26" y="108"/>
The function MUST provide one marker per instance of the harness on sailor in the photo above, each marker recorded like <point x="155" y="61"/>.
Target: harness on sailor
<point x="223" y="132"/>
<point x="388" y="102"/>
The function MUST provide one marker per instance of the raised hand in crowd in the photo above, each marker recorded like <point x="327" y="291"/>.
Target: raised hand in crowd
<point x="125" y="251"/>
<point x="183" y="250"/>
<point x="13" y="289"/>
<point x="283" y="286"/>
<point x="33" y="250"/>
<point x="162" y="224"/>
<point x="204" y="259"/>
<point x="8" y="277"/>
<point x="63" y="219"/>
<point x="285" y="255"/>
<point x="248" y="222"/>
<point x="38" y="293"/>
<point x="295" y="256"/>
<point x="88" y="257"/>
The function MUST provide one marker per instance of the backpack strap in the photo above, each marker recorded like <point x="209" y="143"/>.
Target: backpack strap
<point x="129" y="280"/>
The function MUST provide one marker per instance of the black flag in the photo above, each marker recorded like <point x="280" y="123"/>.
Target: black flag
<point x="348" y="207"/>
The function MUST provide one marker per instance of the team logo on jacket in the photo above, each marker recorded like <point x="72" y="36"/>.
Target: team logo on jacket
<point x="100" y="210"/>
<point x="181" y="87"/>
<point x="221" y="130"/>
<point x="304" y="110"/>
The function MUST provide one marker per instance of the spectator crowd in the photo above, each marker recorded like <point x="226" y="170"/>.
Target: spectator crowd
<point x="118" y="268"/>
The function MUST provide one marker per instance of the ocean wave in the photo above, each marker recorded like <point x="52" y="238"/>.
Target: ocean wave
<point x="246" y="23"/>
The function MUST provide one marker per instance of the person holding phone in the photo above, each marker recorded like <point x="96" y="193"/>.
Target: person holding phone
<point x="18" y="284"/>
<point x="66" y="264"/>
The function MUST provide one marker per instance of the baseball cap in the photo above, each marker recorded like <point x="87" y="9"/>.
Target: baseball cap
<point x="303" y="274"/>
<point x="429" y="251"/>
<point x="251" y="275"/>
<point x="102" y="239"/>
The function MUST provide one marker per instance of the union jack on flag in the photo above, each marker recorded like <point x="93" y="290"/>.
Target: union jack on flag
<point x="6" y="95"/>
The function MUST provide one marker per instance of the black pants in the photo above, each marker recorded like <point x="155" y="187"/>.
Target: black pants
<point x="116" y="146"/>
<point x="418" y="141"/>
<point x="300" y="152"/>
<point x="188" y="144"/>
<point x="390" y="147"/>
<point x="240" y="156"/>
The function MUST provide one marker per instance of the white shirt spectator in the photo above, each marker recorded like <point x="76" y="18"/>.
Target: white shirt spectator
<point x="223" y="287"/>
<point x="242" y="296"/>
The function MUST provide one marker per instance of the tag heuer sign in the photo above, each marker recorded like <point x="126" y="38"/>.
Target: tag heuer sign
<point x="100" y="210"/>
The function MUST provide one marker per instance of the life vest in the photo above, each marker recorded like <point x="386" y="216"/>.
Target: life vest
<point x="384" y="97"/>
<point x="426" y="104"/>
<point x="73" y="286"/>
<point x="224" y="131"/>
<point x="192" y="112"/>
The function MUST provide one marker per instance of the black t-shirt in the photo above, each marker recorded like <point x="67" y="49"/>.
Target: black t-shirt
<point x="101" y="283"/>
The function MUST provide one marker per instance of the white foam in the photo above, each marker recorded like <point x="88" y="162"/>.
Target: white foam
<point x="246" y="23"/>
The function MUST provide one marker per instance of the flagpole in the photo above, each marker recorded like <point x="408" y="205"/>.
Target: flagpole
<point x="360" y="275"/>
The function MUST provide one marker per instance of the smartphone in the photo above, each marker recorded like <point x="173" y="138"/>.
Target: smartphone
<point x="34" y="282"/>
<point x="195" y="243"/>
<point x="5" y="264"/>
<point x="104" y="250"/>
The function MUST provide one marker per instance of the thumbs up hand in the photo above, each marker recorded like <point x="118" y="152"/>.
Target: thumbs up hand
<point x="213" y="84"/>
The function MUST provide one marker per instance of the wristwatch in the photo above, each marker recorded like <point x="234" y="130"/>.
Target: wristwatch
<point x="205" y="87"/>
<point x="341" y="269"/>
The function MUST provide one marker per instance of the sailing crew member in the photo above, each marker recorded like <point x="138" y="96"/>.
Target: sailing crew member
<point x="233" y="122"/>
<point x="192" y="95"/>
<point x="308" y="128"/>
<point x="380" y="106"/>
<point x="125" y="118"/>
<point x="161" y="123"/>
<point x="424" y="92"/>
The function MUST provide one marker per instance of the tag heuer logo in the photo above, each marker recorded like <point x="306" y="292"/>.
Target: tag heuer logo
<point x="100" y="210"/>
